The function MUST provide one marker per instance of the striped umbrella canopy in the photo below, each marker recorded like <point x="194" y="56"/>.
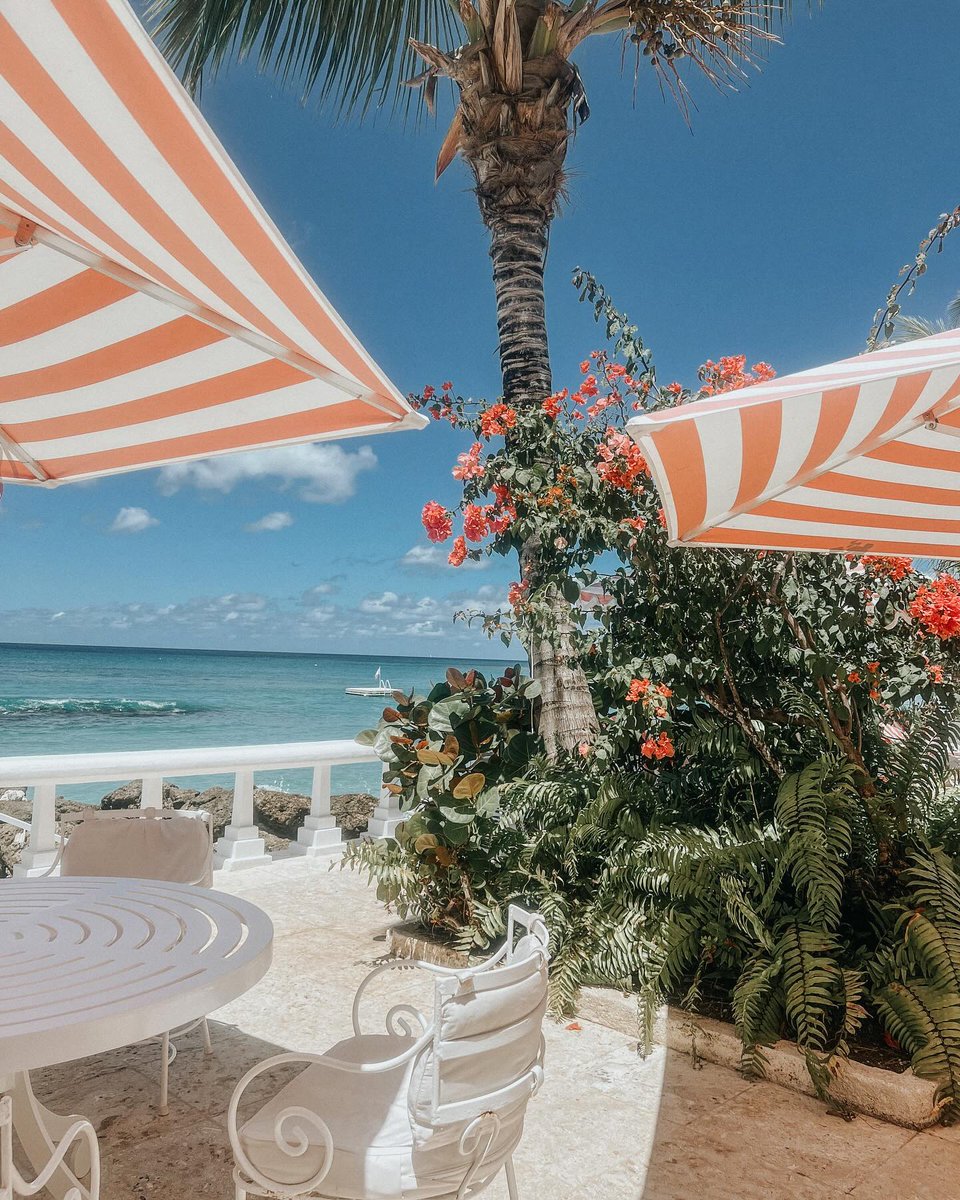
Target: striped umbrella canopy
<point x="861" y="455"/>
<point x="150" y="312"/>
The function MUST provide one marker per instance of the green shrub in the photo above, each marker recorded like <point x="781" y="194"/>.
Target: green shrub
<point x="446" y="756"/>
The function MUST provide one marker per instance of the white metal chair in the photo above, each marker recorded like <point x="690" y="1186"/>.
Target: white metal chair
<point x="142" y="843"/>
<point x="432" y="1108"/>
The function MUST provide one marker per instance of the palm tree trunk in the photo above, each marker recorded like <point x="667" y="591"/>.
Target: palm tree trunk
<point x="566" y="718"/>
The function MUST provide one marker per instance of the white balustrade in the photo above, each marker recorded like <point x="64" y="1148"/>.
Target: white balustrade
<point x="242" y="844"/>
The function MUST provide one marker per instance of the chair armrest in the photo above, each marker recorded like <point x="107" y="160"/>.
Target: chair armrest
<point x="396" y="1023"/>
<point x="290" y="1138"/>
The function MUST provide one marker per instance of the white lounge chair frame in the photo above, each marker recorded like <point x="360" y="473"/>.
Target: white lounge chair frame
<point x="479" y="1133"/>
<point x="168" y="1048"/>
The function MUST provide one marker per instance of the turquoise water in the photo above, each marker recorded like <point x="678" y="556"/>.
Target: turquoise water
<point x="60" y="700"/>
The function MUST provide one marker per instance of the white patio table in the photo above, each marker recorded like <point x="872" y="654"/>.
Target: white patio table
<point x="89" y="965"/>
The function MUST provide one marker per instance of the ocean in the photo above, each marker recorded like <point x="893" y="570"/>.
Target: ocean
<point x="78" y="699"/>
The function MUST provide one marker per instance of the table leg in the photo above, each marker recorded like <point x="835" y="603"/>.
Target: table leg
<point x="63" y="1151"/>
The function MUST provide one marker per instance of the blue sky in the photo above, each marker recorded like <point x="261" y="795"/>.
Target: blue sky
<point x="773" y="228"/>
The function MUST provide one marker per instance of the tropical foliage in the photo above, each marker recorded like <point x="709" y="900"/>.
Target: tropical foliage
<point x="755" y="824"/>
<point x="446" y="755"/>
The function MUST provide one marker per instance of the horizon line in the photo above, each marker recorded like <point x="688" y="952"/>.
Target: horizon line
<point x="236" y="653"/>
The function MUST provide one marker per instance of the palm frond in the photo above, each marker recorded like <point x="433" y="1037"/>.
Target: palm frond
<point x="350" y="53"/>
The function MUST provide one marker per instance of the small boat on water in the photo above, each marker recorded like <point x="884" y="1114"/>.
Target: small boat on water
<point x="382" y="687"/>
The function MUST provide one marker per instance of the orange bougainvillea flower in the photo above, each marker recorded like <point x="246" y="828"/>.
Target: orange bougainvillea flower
<point x="619" y="461"/>
<point x="437" y="521"/>
<point x="475" y="524"/>
<point x="854" y="677"/>
<point x="638" y="689"/>
<point x="517" y="594"/>
<point x="468" y="464"/>
<point x="657" y="747"/>
<point x="497" y="420"/>
<point x="935" y="673"/>
<point x="887" y="566"/>
<point x="553" y="404"/>
<point x="936" y="607"/>
<point x="458" y="553"/>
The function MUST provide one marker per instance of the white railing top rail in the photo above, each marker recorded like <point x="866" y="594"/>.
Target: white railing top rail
<point x="30" y="770"/>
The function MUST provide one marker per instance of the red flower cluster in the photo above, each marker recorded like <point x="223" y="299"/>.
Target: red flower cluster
<point x="936" y="607"/>
<point x="657" y="747"/>
<point x="497" y="420"/>
<point x="552" y="405"/>
<point x="517" y="595"/>
<point x="887" y="566"/>
<point x="620" y="462"/>
<point x="637" y="690"/>
<point x="468" y="464"/>
<point x="935" y="673"/>
<point x="475" y="524"/>
<point x="437" y="521"/>
<point x="440" y="408"/>
<point x="501" y="516"/>
<point x="479" y="520"/>
<point x="730" y="373"/>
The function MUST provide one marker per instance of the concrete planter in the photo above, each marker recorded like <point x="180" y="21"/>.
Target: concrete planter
<point x="902" y="1099"/>
<point x="411" y="941"/>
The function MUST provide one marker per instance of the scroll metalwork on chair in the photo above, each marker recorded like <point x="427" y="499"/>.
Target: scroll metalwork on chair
<point x="434" y="1107"/>
<point x="142" y="843"/>
<point x="78" y="1141"/>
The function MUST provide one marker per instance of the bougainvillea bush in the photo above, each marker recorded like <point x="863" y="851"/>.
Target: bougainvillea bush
<point x="753" y="820"/>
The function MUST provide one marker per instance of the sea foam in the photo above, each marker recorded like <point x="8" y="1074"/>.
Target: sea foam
<point x="13" y="707"/>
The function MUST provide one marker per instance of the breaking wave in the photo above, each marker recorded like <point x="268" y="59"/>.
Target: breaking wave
<point x="13" y="707"/>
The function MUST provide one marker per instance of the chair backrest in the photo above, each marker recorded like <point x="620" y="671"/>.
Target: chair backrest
<point x="487" y="1051"/>
<point x="175" y="846"/>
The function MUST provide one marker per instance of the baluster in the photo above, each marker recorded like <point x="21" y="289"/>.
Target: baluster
<point x="386" y="816"/>
<point x="151" y="792"/>
<point x="241" y="844"/>
<point x="319" y="836"/>
<point x="39" y="854"/>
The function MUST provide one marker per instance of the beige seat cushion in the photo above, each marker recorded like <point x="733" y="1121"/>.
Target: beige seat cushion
<point x="374" y="1153"/>
<point x="175" y="849"/>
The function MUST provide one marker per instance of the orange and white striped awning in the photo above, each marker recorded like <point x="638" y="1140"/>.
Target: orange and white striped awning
<point x="150" y="311"/>
<point x="862" y="455"/>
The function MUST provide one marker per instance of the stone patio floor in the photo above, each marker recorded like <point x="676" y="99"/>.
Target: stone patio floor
<point x="605" y="1124"/>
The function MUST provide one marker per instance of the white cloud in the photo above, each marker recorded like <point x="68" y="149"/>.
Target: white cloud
<point x="326" y="587"/>
<point x="322" y="474"/>
<point x="132" y="520"/>
<point x="270" y="523"/>
<point x="380" y="604"/>
<point x="432" y="558"/>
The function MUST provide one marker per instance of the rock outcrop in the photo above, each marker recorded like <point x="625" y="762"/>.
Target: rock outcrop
<point x="128" y="796"/>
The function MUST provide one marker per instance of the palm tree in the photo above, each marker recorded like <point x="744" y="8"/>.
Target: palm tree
<point x="519" y="98"/>
<point x="908" y="329"/>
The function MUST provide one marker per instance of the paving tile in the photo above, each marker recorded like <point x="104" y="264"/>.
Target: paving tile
<point x="927" y="1168"/>
<point x="765" y="1134"/>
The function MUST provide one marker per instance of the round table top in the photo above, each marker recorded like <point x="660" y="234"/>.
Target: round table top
<point x="88" y="965"/>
